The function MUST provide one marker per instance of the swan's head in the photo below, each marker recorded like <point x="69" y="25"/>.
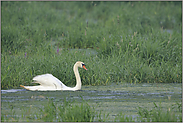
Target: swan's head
<point x="81" y="65"/>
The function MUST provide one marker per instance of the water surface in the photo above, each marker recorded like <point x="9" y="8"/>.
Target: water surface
<point x="112" y="99"/>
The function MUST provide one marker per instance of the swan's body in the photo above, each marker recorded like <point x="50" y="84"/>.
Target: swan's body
<point x="50" y="83"/>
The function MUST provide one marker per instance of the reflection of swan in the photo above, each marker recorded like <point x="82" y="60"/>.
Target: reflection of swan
<point x="50" y="83"/>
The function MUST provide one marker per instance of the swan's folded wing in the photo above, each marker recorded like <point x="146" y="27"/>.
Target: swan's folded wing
<point x="48" y="80"/>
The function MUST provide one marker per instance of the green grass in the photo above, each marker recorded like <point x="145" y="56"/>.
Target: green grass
<point x="67" y="111"/>
<point x="157" y="115"/>
<point x="52" y="112"/>
<point x="130" y="39"/>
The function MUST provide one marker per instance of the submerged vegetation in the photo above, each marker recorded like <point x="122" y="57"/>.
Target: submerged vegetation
<point x="120" y="42"/>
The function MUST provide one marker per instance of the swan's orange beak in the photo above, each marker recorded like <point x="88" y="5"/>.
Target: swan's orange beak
<point x="84" y="67"/>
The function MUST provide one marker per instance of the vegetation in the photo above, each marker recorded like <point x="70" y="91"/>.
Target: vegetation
<point x="120" y="42"/>
<point x="156" y="114"/>
<point x="52" y="112"/>
<point x="70" y="112"/>
<point x="133" y="42"/>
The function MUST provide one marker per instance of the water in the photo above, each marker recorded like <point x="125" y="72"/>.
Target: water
<point x="112" y="99"/>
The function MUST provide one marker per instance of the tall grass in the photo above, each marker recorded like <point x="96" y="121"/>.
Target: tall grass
<point x="130" y="38"/>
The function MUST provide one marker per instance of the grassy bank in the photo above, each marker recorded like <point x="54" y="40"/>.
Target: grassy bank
<point x="134" y="42"/>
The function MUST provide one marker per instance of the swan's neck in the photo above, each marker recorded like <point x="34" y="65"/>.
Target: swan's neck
<point x="78" y="79"/>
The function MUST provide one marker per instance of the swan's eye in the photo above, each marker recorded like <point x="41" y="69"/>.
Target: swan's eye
<point x="83" y="65"/>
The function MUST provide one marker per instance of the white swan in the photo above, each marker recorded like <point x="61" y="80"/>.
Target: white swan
<point x="50" y="83"/>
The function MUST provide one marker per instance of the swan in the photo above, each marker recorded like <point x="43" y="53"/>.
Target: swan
<point x="50" y="83"/>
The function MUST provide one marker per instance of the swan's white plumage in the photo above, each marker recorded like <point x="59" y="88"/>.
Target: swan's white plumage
<point x="50" y="83"/>
<point x="48" y="80"/>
